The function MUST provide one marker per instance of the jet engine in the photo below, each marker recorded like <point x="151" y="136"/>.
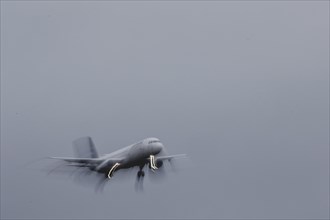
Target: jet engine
<point x="159" y="163"/>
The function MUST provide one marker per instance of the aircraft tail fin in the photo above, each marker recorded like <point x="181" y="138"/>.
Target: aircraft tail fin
<point x="85" y="148"/>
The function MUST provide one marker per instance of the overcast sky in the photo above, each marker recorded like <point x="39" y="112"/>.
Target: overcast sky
<point x="241" y="87"/>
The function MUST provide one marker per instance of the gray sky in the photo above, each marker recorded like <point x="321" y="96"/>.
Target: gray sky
<point x="241" y="87"/>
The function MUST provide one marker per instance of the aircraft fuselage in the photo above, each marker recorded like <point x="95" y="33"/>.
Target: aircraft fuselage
<point x="138" y="153"/>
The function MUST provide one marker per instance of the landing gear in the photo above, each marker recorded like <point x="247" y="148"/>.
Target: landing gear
<point x="140" y="174"/>
<point x="139" y="179"/>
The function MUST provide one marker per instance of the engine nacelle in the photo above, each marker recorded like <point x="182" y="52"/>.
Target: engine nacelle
<point x="159" y="163"/>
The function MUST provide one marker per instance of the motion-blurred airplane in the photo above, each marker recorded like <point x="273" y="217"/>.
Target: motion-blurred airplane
<point x="149" y="151"/>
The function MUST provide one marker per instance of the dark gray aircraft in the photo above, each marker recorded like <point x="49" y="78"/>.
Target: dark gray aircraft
<point x="149" y="151"/>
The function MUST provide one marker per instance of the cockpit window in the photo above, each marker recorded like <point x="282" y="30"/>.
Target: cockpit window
<point x="154" y="141"/>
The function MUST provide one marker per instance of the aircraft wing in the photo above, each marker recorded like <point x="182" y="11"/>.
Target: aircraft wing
<point x="85" y="160"/>
<point x="169" y="157"/>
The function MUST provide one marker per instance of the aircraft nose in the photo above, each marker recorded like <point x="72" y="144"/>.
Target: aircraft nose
<point x="158" y="147"/>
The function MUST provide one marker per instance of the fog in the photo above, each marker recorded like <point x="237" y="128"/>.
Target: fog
<point x="241" y="87"/>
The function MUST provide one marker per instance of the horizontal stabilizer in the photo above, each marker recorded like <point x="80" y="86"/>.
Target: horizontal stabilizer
<point x="88" y="160"/>
<point x="78" y="160"/>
